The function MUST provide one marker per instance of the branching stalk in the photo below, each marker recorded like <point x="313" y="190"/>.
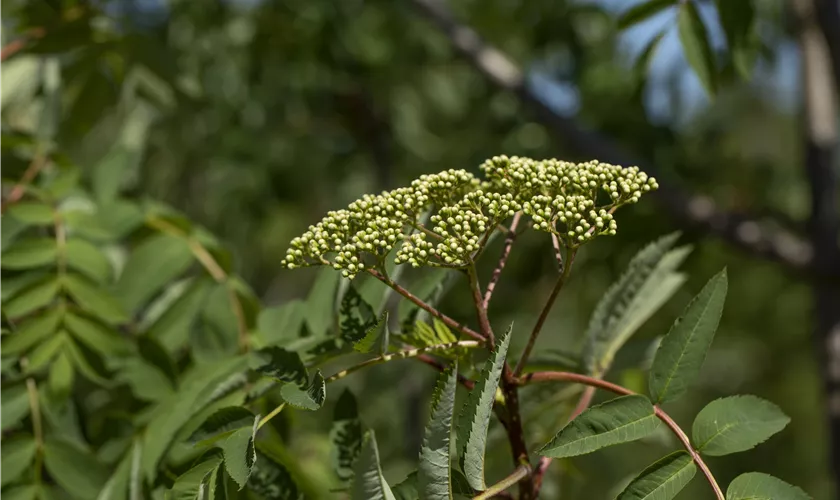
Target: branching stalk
<point x="426" y="307"/>
<point x="617" y="389"/>
<point x="544" y="314"/>
<point x="511" y="237"/>
<point x="481" y="311"/>
<point x="518" y="474"/>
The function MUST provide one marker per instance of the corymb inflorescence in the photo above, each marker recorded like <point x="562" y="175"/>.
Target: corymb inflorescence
<point x="574" y="201"/>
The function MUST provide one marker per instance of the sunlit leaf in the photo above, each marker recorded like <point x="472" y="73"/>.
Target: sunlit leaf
<point x="620" y="420"/>
<point x="369" y="484"/>
<point x="193" y="484"/>
<point x="94" y="299"/>
<point x="643" y="11"/>
<point x="240" y="454"/>
<point x="682" y="351"/>
<point x="86" y="258"/>
<point x="311" y="397"/>
<point x="29" y="253"/>
<point x="32" y="298"/>
<point x="737" y="423"/>
<point x="662" y="480"/>
<point x="759" y="486"/>
<point x="154" y="263"/>
<point x="696" y="46"/>
<point x="31" y="212"/>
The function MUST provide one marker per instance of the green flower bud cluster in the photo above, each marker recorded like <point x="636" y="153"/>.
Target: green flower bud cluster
<point x="560" y="197"/>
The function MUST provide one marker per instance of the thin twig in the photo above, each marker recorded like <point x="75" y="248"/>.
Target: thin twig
<point x="660" y="413"/>
<point x="480" y="309"/>
<point x="544" y="314"/>
<point x="425" y="358"/>
<point x="511" y="237"/>
<point x="271" y="415"/>
<point x="426" y="307"/>
<point x="519" y="473"/>
<point x="35" y="166"/>
<point x="408" y="353"/>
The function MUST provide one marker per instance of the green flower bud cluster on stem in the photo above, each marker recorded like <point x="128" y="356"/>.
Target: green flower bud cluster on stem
<point x="574" y="201"/>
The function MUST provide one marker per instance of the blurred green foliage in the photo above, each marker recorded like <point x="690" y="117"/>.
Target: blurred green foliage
<point x="254" y="118"/>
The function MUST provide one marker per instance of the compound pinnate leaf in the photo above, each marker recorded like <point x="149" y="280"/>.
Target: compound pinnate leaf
<point x="18" y="453"/>
<point x="311" y="397"/>
<point x="695" y="41"/>
<point x="759" y="486"/>
<point x="474" y="419"/>
<point x="345" y="435"/>
<point x="433" y="474"/>
<point x="280" y="364"/>
<point x="662" y="480"/>
<point x="620" y="420"/>
<point x="737" y="423"/>
<point x="94" y="300"/>
<point x="26" y="254"/>
<point x="650" y="280"/>
<point x="240" y="453"/>
<point x="369" y="484"/>
<point x="223" y="422"/>
<point x="682" y="351"/>
<point x="642" y="11"/>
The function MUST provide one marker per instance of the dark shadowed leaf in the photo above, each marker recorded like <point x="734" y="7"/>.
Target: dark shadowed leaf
<point x="96" y="336"/>
<point x="620" y="420"/>
<point x="221" y="423"/>
<point x="194" y="484"/>
<point x="662" y="480"/>
<point x="682" y="351"/>
<point x="271" y="480"/>
<point x="280" y="364"/>
<point x="474" y="419"/>
<point x="433" y="473"/>
<point x="737" y="423"/>
<point x="18" y="453"/>
<point x="15" y="406"/>
<point x="345" y="435"/>
<point x="696" y="46"/>
<point x="74" y="469"/>
<point x="759" y="486"/>
<point x="642" y="11"/>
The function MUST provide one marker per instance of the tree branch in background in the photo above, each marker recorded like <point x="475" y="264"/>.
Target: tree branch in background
<point x="692" y="210"/>
<point x="821" y="139"/>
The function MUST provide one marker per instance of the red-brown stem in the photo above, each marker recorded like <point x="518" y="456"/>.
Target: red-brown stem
<point x="660" y="413"/>
<point x="426" y="307"/>
<point x="16" y="46"/>
<point x="511" y="237"/>
<point x="28" y="176"/>
<point x="480" y="310"/>
<point x="469" y="384"/>
<point x="544" y="314"/>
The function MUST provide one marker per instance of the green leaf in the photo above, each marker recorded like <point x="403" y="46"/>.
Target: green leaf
<point x="86" y="258"/>
<point x="271" y="480"/>
<point x="46" y="351"/>
<point x="642" y="11"/>
<point x="648" y="283"/>
<point x="620" y="420"/>
<point x="695" y="42"/>
<point x="737" y="423"/>
<point x="87" y="364"/>
<point x="31" y="299"/>
<point x="280" y="364"/>
<point x="433" y="473"/>
<point x="27" y="492"/>
<point x="152" y="352"/>
<point x="281" y="324"/>
<point x="759" y="486"/>
<point x="407" y="489"/>
<point x="199" y="387"/>
<point x="193" y="484"/>
<point x="345" y="435"/>
<point x="74" y="469"/>
<point x="640" y="68"/>
<point x="154" y="263"/>
<point x="18" y="453"/>
<point x="15" y="406"/>
<point x="100" y="338"/>
<point x="29" y="253"/>
<point x="369" y="484"/>
<point x="110" y="172"/>
<point x="31" y="212"/>
<point x="663" y="479"/>
<point x="366" y="343"/>
<point x="13" y="285"/>
<point x="240" y="454"/>
<point x="94" y="300"/>
<point x="31" y="332"/>
<point x="222" y="423"/>
<point x="474" y="419"/>
<point x="173" y="327"/>
<point x="147" y="382"/>
<point x="61" y="376"/>
<point x="682" y="351"/>
<point x="321" y="300"/>
<point x="309" y="398"/>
